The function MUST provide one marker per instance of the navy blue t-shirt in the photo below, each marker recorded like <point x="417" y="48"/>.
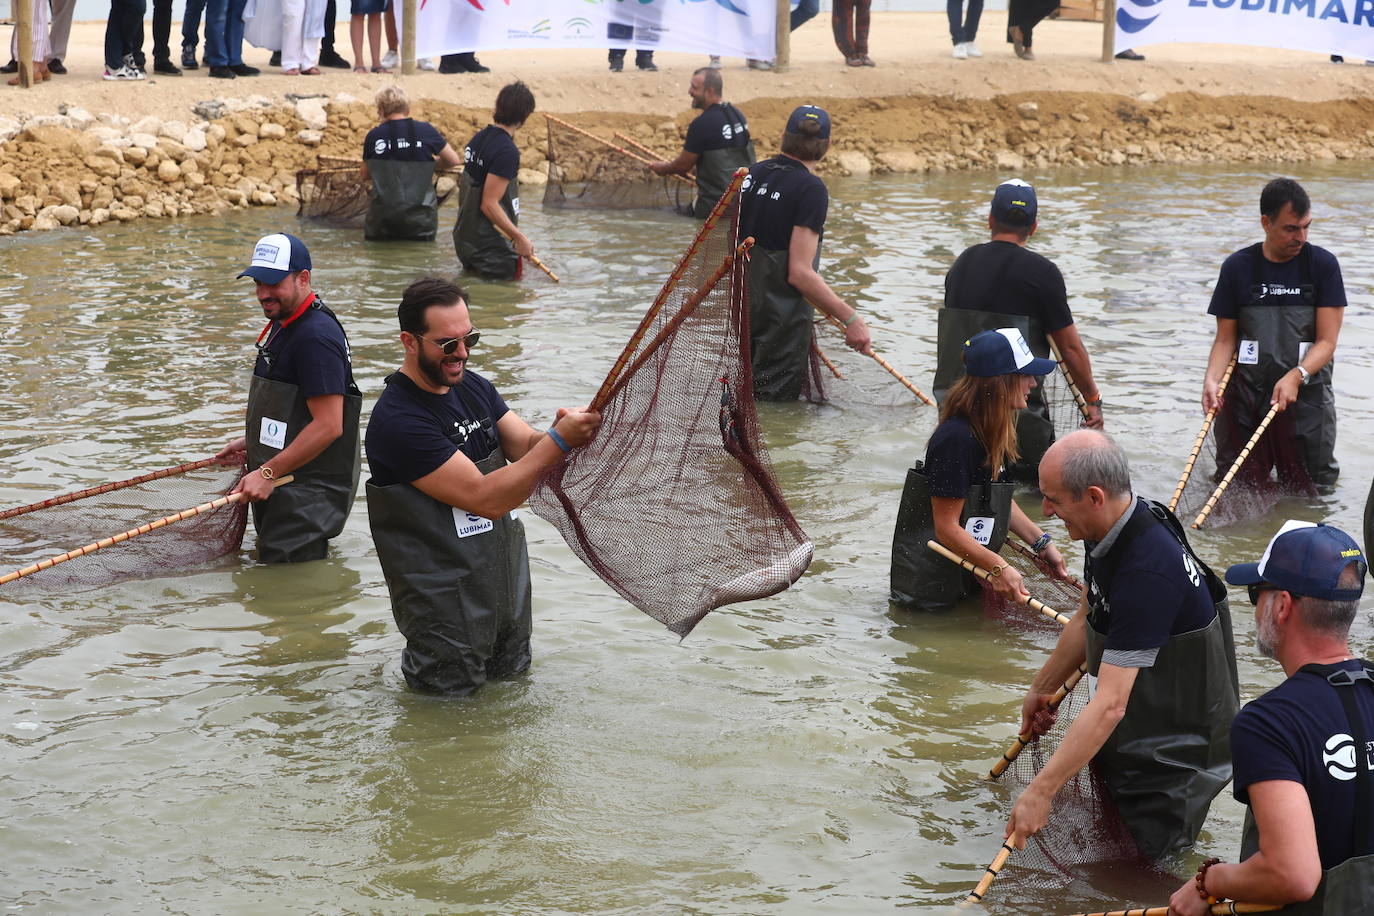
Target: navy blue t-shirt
<point x="1299" y="732"/>
<point x="406" y="440"/>
<point x="1155" y="591"/>
<point x="403" y="140"/>
<point x="1237" y="277"/>
<point x="775" y="199"/>
<point x="722" y="126"/>
<point x="1007" y="279"/>
<point x="311" y="353"/>
<point x="491" y="151"/>
<point x="955" y="459"/>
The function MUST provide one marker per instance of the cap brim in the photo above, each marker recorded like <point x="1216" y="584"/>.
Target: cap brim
<point x="1244" y="574"/>
<point x="265" y="275"/>
<point x="1038" y="367"/>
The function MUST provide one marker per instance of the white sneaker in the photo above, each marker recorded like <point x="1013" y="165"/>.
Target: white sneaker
<point x="960" y="52"/>
<point x="715" y="62"/>
<point x="426" y="64"/>
<point x="972" y="49"/>
<point x="390" y="60"/>
<point x="124" y="73"/>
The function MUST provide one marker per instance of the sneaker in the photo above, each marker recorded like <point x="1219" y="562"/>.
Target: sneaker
<point x="972" y="49"/>
<point x="275" y="59"/>
<point x="165" y="66"/>
<point x="960" y="52"/>
<point x="1335" y="59"/>
<point x="390" y="60"/>
<point x="617" y="66"/>
<point x="219" y="73"/>
<point x="244" y="70"/>
<point x="134" y="67"/>
<point x="650" y="66"/>
<point x="1129" y="54"/>
<point x="334" y="59"/>
<point x="753" y="64"/>
<point x="55" y="66"/>
<point x="11" y="67"/>
<point x="124" y="73"/>
<point x="470" y="64"/>
<point x="188" y="58"/>
<point x="715" y="62"/>
<point x="426" y="63"/>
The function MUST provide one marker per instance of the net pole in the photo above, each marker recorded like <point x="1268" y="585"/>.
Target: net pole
<point x="533" y="258"/>
<point x="109" y="487"/>
<point x="834" y="370"/>
<point x="707" y="227"/>
<point x="877" y="357"/>
<point x="1201" y="437"/>
<point x="635" y="144"/>
<point x="991" y="872"/>
<point x="1019" y="743"/>
<point x="1235" y="466"/>
<point x="163" y="522"/>
<point x="1218" y="909"/>
<point x="1038" y="606"/>
<point x="1078" y="398"/>
<point x="619" y="149"/>
<point x="1034" y="557"/>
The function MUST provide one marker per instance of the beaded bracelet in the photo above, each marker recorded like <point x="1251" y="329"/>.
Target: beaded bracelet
<point x="1201" y="878"/>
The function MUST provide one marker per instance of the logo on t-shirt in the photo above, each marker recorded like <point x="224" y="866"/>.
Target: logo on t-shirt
<point x="379" y="146"/>
<point x="727" y="131"/>
<point x="1277" y="289"/>
<point x="1339" y="757"/>
<point x="1191" y="569"/>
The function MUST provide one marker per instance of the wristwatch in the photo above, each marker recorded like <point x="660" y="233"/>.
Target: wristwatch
<point x="1306" y="376"/>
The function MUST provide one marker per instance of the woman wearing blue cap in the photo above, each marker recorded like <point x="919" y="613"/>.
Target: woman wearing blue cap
<point x="956" y="495"/>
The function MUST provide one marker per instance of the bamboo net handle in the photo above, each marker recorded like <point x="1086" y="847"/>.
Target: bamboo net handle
<point x="1037" y="606"/>
<point x="878" y="359"/>
<point x="1035" y="558"/>
<point x="991" y="872"/>
<point x="716" y="213"/>
<point x="834" y="370"/>
<point x="1019" y="743"/>
<point x="109" y="487"/>
<point x="1235" y="466"/>
<point x="134" y="532"/>
<point x="1201" y="436"/>
<point x="533" y="259"/>
<point x="619" y="149"/>
<point x="1078" y="398"/>
<point x="1218" y="909"/>
<point x="643" y="149"/>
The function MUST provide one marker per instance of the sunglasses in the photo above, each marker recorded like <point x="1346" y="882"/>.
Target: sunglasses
<point x="1257" y="590"/>
<point x="450" y="346"/>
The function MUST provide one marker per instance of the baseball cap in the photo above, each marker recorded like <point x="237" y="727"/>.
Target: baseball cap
<point x="804" y="113"/>
<point x="1002" y="352"/>
<point x="1014" y="202"/>
<point x="1306" y="560"/>
<point x="275" y="256"/>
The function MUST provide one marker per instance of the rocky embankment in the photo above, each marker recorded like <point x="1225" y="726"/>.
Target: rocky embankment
<point x="78" y="168"/>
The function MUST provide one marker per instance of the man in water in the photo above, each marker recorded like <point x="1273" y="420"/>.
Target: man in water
<point x="1156" y="634"/>
<point x="1001" y="282"/>
<point x="399" y="157"/>
<point x="486" y="236"/>
<point x="717" y="142"/>
<point x="450" y="463"/>
<point x="302" y="411"/>
<point x="1279" y="305"/>
<point x="1303" y="753"/>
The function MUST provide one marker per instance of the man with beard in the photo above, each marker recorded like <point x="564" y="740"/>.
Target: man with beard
<point x="717" y="142"/>
<point x="303" y="411"/>
<point x="450" y="463"/>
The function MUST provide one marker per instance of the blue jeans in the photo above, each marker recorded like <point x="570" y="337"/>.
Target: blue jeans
<point x="190" y="23"/>
<point x="806" y="9"/>
<point x="224" y="32"/>
<point x="969" y="30"/>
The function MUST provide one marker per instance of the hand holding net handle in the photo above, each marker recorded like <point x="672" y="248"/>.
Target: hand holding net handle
<point x="878" y="359"/>
<point x="1201" y="436"/>
<point x="631" y="142"/>
<point x="110" y="487"/>
<point x="980" y="572"/>
<point x="1078" y="398"/>
<point x="1035" y="558"/>
<point x="533" y="258"/>
<point x="135" y="532"/>
<point x="1217" y="909"/>
<point x="1019" y="743"/>
<point x="1008" y="847"/>
<point x="1235" y="467"/>
<point x="619" y="149"/>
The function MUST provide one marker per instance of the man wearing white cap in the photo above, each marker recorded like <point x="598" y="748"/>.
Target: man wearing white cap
<point x="303" y="409"/>
<point x="1304" y="761"/>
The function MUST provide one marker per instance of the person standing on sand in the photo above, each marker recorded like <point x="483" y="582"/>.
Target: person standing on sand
<point x="849" y="22"/>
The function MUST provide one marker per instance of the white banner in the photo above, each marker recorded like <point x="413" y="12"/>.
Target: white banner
<point x="1325" y="26"/>
<point x="735" y="28"/>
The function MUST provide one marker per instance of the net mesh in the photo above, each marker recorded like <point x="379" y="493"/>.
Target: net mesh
<point x="860" y="381"/>
<point x="587" y="173"/>
<point x="1063" y="596"/>
<point x="335" y="192"/>
<point x="54" y="530"/>
<point x="1064" y="411"/>
<point x="674" y="503"/>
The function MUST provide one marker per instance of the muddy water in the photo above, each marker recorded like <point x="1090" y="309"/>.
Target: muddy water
<point x="238" y="739"/>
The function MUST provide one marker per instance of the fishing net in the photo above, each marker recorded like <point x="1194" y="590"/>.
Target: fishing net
<point x="586" y="172"/>
<point x="335" y="191"/>
<point x="840" y="376"/>
<point x="1063" y="596"/>
<point x="674" y="503"/>
<point x="51" y="530"/>
<point x="1061" y="403"/>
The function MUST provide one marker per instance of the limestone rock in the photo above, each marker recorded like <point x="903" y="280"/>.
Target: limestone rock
<point x="343" y="98"/>
<point x="269" y="131"/>
<point x="194" y="139"/>
<point x="173" y="130"/>
<point x="80" y="118"/>
<point x="145" y="140"/>
<point x="1028" y="110"/>
<point x="310" y="137"/>
<point x="312" y="112"/>
<point x="1010" y="161"/>
<point x="146" y="125"/>
<point x="104" y="134"/>
<point x="98" y="215"/>
<point x="532" y="177"/>
<point x="168" y="171"/>
<point x="211" y="109"/>
<point x="65" y="214"/>
<point x="136" y="155"/>
<point x="901" y="160"/>
<point x="43" y="223"/>
<point x="854" y="163"/>
<point x="123" y="214"/>
<point x="264" y="198"/>
<point x="246" y="140"/>
<point x="9" y="185"/>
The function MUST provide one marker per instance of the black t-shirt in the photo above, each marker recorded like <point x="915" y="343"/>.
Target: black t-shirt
<point x="1007" y="279"/>
<point x="1282" y="282"/>
<point x="778" y="194"/>
<point x="1299" y="732"/>
<point x="955" y="460"/>
<point x="406" y="440"/>
<point x="311" y="353"/>
<point x="722" y="126"/>
<point x="491" y="151"/>
<point x="403" y="140"/>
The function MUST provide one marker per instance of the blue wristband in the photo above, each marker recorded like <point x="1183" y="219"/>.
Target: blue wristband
<point x="1041" y="543"/>
<point x="558" y="440"/>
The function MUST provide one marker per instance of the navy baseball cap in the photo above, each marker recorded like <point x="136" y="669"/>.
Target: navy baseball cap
<point x="1306" y="560"/>
<point x="1002" y="352"/>
<point x="804" y="113"/>
<point x="1014" y="202"/>
<point x="275" y="256"/>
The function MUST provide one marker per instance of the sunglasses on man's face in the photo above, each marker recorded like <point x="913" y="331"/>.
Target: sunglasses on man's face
<point x="1257" y="590"/>
<point x="450" y="346"/>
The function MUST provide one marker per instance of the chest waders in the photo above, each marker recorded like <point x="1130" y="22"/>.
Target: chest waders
<point x="403" y="204"/>
<point x="481" y="248"/>
<point x="716" y="167"/>
<point x="1269" y="338"/>
<point x="1170" y="754"/>
<point x="459" y="584"/>
<point x="922" y="579"/>
<point x="1346" y="889"/>
<point x="1034" y="428"/>
<point x="296" y="522"/>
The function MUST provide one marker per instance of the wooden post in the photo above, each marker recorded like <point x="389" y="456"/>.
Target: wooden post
<point x="1108" y="31"/>
<point x="23" y="19"/>
<point x="783" y="40"/>
<point x="409" y="10"/>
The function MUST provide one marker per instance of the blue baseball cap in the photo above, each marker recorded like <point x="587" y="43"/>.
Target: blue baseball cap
<point x="1014" y="202"/>
<point x="1306" y="560"/>
<point x="275" y="256"/>
<point x="804" y="113"/>
<point x="1002" y="352"/>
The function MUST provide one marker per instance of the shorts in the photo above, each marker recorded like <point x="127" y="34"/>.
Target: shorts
<point x="366" y="7"/>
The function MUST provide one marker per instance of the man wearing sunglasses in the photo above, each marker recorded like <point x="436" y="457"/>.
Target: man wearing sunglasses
<point x="303" y="409"/>
<point x="1304" y="751"/>
<point x="450" y="463"/>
